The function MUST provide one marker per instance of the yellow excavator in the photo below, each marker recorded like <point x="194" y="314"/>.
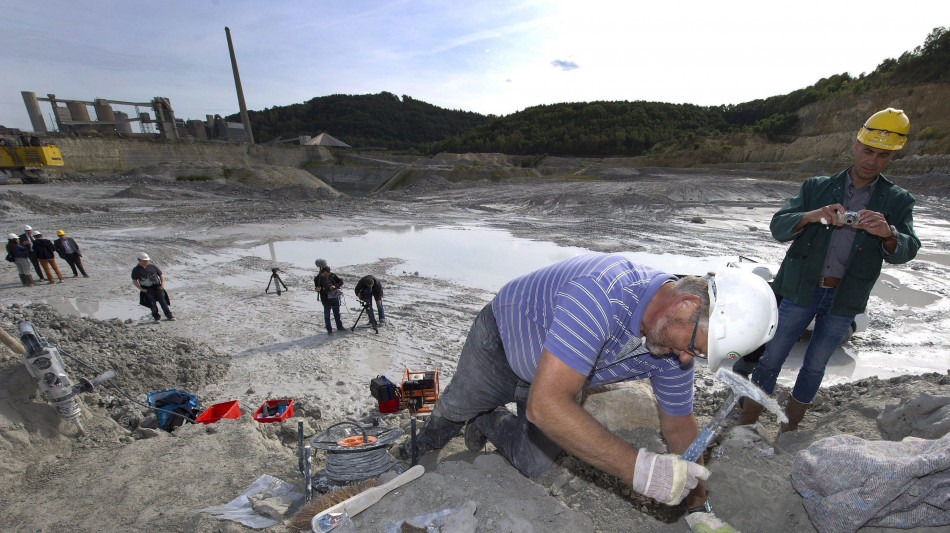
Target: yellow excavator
<point x="26" y="157"/>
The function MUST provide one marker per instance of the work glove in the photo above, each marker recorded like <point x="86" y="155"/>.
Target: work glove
<point x="707" y="523"/>
<point x="666" y="478"/>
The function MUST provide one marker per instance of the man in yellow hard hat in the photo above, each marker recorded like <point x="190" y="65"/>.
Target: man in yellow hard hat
<point x="67" y="248"/>
<point x="842" y="228"/>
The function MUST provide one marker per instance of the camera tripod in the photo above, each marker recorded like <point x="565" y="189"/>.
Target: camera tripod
<point x="275" y="279"/>
<point x="368" y="309"/>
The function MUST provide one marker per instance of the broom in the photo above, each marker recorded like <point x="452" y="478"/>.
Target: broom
<point x="300" y="521"/>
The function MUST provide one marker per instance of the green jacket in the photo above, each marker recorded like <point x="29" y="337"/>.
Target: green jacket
<point x="800" y="272"/>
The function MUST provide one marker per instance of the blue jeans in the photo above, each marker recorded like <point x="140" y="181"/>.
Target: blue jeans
<point x="483" y="383"/>
<point x="792" y="321"/>
<point x="332" y="303"/>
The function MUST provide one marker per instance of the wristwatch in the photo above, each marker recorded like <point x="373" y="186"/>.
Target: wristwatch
<point x="894" y="234"/>
<point x="704" y="508"/>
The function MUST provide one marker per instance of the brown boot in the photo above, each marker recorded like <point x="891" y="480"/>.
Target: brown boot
<point x="750" y="412"/>
<point x="795" y="411"/>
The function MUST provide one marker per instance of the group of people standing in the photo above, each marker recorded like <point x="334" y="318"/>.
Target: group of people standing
<point x="329" y="286"/>
<point x="31" y="247"/>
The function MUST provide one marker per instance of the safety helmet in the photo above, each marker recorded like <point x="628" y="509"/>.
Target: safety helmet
<point x="38" y="233"/>
<point x="144" y="256"/>
<point x="742" y="315"/>
<point x="885" y="129"/>
<point x="60" y="232"/>
<point x="12" y="236"/>
<point x="27" y="227"/>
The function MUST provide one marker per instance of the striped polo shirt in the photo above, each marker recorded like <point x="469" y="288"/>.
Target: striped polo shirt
<point x="587" y="312"/>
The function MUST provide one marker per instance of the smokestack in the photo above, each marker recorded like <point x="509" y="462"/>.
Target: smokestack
<point x="240" y="92"/>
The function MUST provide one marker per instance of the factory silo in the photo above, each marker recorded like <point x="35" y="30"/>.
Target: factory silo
<point x="122" y="124"/>
<point x="79" y="113"/>
<point x="105" y="115"/>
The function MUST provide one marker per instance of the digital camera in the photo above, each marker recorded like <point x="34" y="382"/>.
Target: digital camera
<point x="848" y="217"/>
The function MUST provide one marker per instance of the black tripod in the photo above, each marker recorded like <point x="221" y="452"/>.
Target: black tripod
<point x="368" y="309"/>
<point x="275" y="279"/>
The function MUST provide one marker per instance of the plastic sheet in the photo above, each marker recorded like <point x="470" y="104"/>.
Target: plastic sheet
<point x="239" y="509"/>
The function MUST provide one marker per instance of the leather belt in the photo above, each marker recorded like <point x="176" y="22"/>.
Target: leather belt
<point x="828" y="283"/>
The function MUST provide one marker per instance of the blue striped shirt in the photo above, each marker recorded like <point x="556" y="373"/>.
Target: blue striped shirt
<point x="587" y="312"/>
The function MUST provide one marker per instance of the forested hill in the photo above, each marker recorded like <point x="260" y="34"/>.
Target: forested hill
<point x="364" y="120"/>
<point x="585" y="128"/>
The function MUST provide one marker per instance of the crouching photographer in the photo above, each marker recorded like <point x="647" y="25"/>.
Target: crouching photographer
<point x="369" y="289"/>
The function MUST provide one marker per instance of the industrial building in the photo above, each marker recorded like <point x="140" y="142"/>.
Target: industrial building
<point x="155" y="118"/>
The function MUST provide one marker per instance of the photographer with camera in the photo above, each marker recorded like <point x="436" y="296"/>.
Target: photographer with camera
<point x="842" y="228"/>
<point x="328" y="285"/>
<point x="150" y="282"/>
<point x="367" y="290"/>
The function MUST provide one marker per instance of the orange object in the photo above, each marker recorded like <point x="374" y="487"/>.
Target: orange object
<point x="419" y="390"/>
<point x="356" y="440"/>
<point x="218" y="411"/>
<point x="288" y="411"/>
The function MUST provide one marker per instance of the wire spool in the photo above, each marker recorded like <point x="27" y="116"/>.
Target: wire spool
<point x="355" y="452"/>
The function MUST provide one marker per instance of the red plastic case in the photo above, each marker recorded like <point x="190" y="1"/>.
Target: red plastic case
<point x="218" y="411"/>
<point x="288" y="411"/>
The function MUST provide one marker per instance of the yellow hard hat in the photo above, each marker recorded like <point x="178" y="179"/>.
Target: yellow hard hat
<point x="60" y="232"/>
<point x="885" y="129"/>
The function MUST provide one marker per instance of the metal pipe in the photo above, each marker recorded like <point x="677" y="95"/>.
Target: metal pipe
<point x="412" y="442"/>
<point x="308" y="464"/>
<point x="300" y="446"/>
<point x="240" y="92"/>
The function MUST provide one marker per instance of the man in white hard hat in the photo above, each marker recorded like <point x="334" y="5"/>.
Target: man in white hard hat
<point x="150" y="282"/>
<point x="842" y="228"/>
<point x="592" y="320"/>
<point x="34" y="258"/>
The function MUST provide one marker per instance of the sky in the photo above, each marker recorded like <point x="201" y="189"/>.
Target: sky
<point x="490" y="57"/>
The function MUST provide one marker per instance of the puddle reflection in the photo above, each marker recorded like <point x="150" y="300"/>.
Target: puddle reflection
<point x="475" y="257"/>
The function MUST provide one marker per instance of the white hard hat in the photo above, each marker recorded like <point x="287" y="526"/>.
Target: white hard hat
<point x="742" y="315"/>
<point x="144" y="256"/>
<point x="38" y="233"/>
<point x="12" y="236"/>
<point x="27" y="227"/>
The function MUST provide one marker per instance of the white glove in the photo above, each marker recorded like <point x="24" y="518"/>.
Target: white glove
<point x="708" y="523"/>
<point x="666" y="478"/>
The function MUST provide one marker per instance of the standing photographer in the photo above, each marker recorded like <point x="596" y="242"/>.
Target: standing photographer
<point x="369" y="289"/>
<point x="328" y="285"/>
<point x="842" y="228"/>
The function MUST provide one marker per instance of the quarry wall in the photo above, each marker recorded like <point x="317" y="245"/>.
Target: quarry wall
<point x="92" y="154"/>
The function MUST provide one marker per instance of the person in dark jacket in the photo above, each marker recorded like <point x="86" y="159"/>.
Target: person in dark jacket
<point x="67" y="248"/>
<point x="46" y="255"/>
<point x="328" y="285"/>
<point x="369" y="289"/>
<point x="19" y="248"/>
<point x="28" y="234"/>
<point x="150" y="282"/>
<point x="842" y="228"/>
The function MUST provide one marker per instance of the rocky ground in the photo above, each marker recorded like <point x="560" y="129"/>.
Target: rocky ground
<point x="234" y="342"/>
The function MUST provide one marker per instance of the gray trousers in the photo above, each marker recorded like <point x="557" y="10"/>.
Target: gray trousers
<point x="481" y="387"/>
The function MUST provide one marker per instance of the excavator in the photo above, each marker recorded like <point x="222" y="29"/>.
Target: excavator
<point x="26" y="157"/>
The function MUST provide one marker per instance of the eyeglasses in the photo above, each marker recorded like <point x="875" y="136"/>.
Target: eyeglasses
<point x="885" y="133"/>
<point x="691" y="349"/>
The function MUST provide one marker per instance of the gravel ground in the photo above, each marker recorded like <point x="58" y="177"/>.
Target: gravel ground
<point x="233" y="341"/>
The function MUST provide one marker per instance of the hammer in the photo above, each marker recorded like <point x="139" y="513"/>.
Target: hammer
<point x="740" y="387"/>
